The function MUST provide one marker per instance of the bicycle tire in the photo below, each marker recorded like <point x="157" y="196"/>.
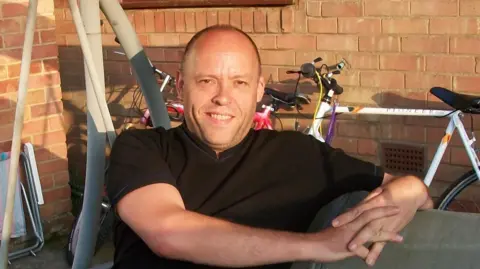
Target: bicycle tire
<point x="455" y="189"/>
<point x="106" y="223"/>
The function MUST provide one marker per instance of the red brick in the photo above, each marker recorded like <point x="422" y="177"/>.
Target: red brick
<point x="288" y="21"/>
<point x="212" y="18"/>
<point x="428" y="44"/>
<point x="367" y="147"/>
<point x="48" y="36"/>
<point x="405" y="99"/>
<point x="467" y="84"/>
<point x="167" y="39"/>
<point x="50" y="65"/>
<point x="341" y="9"/>
<point x="65" y="27"/>
<point x="3" y="72"/>
<point x="55" y="123"/>
<point x="50" y="138"/>
<point x="173" y="55"/>
<point x="432" y="149"/>
<point x="402" y="132"/>
<point x="200" y="20"/>
<point x="469" y="8"/>
<point x="139" y="22"/>
<point x="264" y="41"/>
<point x="14" y="9"/>
<point x="337" y="42"/>
<point x="14" y="70"/>
<point x="46" y="181"/>
<point x="179" y="21"/>
<point x="9" y="26"/>
<point x="44" y="51"/>
<point x="149" y="17"/>
<point x="367" y="26"/>
<point x="47" y="210"/>
<point x="282" y="57"/>
<point x="322" y="25"/>
<point x="184" y="38"/>
<point x="270" y="73"/>
<point x="386" y="8"/>
<point x="63" y="206"/>
<point x="55" y="194"/>
<point x="379" y="43"/>
<point x="405" y="26"/>
<point x="190" y="22"/>
<point x="450" y="64"/>
<point x="435" y="135"/>
<point x="247" y="20"/>
<point x="46" y="109"/>
<point x="459" y="156"/>
<point x="349" y="145"/>
<point x="43" y="81"/>
<point x="295" y="41"/>
<point x="273" y="21"/>
<point x="16" y="40"/>
<point x="1" y="42"/>
<point x="10" y="85"/>
<point x="299" y="18"/>
<point x="455" y="25"/>
<point x="34" y="127"/>
<point x="361" y="60"/>
<point x="58" y="151"/>
<point x="402" y="62"/>
<point x="465" y="45"/>
<point x="308" y="56"/>
<point x="169" y="21"/>
<point x="357" y="129"/>
<point x="434" y="8"/>
<point x="35" y="97"/>
<point x="422" y="80"/>
<point x="160" y="21"/>
<point x="236" y="18"/>
<point x="382" y="79"/>
<point x="11" y="56"/>
<point x="314" y="8"/>
<point x="7" y="116"/>
<point x="259" y="21"/>
<point x="46" y="22"/>
<point x="477" y="68"/>
<point x="6" y="132"/>
<point x="223" y="17"/>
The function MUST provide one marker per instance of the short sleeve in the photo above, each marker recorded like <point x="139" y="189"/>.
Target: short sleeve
<point x="136" y="161"/>
<point x="346" y="173"/>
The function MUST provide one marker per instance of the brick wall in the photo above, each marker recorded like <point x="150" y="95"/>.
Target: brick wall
<point x="43" y="111"/>
<point x="397" y="51"/>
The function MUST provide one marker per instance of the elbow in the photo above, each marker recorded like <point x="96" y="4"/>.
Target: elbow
<point x="167" y="241"/>
<point x="421" y="192"/>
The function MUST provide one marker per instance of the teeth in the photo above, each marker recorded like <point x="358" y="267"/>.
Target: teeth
<point x="220" y="116"/>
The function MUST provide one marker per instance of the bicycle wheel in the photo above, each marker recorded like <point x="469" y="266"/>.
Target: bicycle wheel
<point x="107" y="219"/>
<point x="456" y="190"/>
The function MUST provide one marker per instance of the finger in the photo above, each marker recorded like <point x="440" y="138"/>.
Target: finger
<point x="374" y="253"/>
<point x="372" y="234"/>
<point x="372" y="194"/>
<point x="374" y="201"/>
<point x="373" y="214"/>
<point x="359" y="250"/>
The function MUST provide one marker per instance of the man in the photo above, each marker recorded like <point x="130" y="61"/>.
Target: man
<point x="213" y="193"/>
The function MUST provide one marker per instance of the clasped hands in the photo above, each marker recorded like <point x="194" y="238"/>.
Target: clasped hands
<point x="378" y="219"/>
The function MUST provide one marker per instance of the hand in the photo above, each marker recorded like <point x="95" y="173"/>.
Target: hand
<point x="333" y="241"/>
<point x="407" y="193"/>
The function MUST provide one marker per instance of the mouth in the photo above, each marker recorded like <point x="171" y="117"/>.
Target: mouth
<point x="219" y="117"/>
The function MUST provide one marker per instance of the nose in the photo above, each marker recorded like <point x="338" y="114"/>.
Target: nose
<point x="222" y="96"/>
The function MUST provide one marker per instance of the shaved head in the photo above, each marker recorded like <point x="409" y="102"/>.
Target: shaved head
<point x="220" y="28"/>
<point x="221" y="82"/>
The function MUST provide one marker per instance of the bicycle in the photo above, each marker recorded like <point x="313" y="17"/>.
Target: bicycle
<point x="461" y="103"/>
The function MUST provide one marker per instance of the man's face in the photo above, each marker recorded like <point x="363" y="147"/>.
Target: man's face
<point x="221" y="85"/>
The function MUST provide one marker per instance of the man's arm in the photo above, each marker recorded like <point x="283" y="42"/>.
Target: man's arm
<point x="420" y="189"/>
<point x="157" y="214"/>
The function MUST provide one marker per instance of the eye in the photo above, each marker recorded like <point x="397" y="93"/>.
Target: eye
<point x="205" y="81"/>
<point x="241" y="82"/>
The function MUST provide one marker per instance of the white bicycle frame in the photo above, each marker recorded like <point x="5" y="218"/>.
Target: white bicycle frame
<point x="454" y="123"/>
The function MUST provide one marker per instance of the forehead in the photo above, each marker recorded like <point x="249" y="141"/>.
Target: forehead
<point x="222" y="50"/>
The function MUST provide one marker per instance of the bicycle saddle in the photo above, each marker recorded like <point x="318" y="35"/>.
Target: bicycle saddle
<point x="463" y="102"/>
<point x="287" y="98"/>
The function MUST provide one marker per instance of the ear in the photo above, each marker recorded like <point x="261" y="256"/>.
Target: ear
<point x="179" y="82"/>
<point x="260" y="88"/>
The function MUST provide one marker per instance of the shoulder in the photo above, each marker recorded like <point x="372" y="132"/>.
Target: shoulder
<point x="153" y="139"/>
<point x="287" y="140"/>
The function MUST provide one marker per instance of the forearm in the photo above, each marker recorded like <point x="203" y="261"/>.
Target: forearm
<point x="201" y="239"/>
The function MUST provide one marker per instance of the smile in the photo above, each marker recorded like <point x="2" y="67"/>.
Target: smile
<point x="220" y="117"/>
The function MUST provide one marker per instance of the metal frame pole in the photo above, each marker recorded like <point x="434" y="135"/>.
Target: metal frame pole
<point x="90" y="11"/>
<point x="17" y="131"/>
<point x="139" y="61"/>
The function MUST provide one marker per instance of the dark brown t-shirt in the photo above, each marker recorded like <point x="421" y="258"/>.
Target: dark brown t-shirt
<point x="274" y="180"/>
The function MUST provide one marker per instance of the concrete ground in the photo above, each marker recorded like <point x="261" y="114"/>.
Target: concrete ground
<point x="52" y="256"/>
